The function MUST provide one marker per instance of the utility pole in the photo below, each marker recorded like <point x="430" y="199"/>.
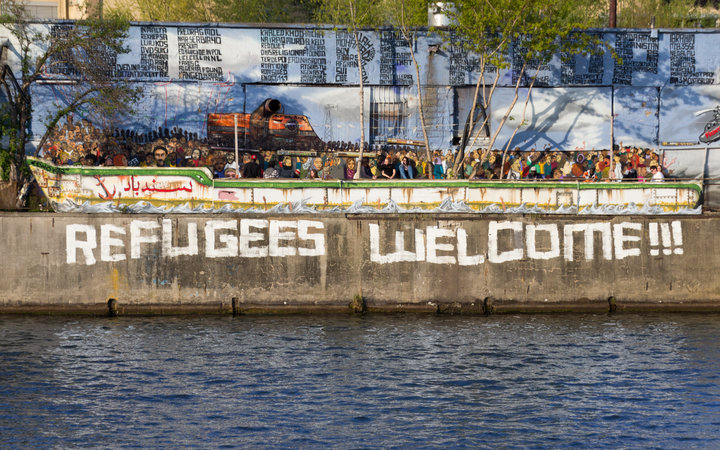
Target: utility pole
<point x="612" y="14"/>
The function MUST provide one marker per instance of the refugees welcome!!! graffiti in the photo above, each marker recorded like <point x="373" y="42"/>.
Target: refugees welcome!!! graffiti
<point x="504" y="241"/>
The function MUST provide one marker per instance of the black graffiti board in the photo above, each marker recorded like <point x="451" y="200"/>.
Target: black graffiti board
<point x="154" y="54"/>
<point x="293" y="55"/>
<point x="61" y="63"/>
<point x="200" y="53"/>
<point x="637" y="53"/>
<point x="528" y="67"/>
<point x="395" y="59"/>
<point x="682" y="61"/>
<point x="313" y="67"/>
<point x="582" y="69"/>
<point x="464" y="65"/>
<point x="321" y="56"/>
<point x="346" y="56"/>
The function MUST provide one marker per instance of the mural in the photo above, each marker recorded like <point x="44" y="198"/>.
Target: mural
<point x="196" y="79"/>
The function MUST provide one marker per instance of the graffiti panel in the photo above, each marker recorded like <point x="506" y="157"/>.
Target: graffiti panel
<point x="685" y="112"/>
<point x="636" y="116"/>
<point x="333" y="113"/>
<point x="560" y="118"/>
<point x="190" y="72"/>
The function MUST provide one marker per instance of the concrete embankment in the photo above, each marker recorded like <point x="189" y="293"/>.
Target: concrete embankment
<point x="435" y="263"/>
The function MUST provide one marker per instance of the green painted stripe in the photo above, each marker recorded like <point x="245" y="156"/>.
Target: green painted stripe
<point x="198" y="174"/>
<point x="201" y="175"/>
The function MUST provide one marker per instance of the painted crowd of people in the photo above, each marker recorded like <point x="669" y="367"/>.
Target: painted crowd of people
<point x="80" y="143"/>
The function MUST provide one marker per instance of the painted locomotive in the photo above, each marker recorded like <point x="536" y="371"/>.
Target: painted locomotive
<point x="266" y="128"/>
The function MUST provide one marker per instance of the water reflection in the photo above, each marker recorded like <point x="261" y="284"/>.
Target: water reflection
<point x="348" y="381"/>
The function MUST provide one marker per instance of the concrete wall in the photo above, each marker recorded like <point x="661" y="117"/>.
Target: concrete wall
<point x="433" y="263"/>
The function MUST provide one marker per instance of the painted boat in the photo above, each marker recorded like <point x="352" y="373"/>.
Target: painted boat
<point x="135" y="189"/>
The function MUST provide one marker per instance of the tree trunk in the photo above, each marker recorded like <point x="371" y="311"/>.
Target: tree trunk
<point x="507" y="114"/>
<point x="351" y="3"/>
<point x="471" y="125"/>
<point x="527" y="100"/>
<point x="418" y="85"/>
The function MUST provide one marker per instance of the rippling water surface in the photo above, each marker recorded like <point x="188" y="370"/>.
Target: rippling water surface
<point x="373" y="381"/>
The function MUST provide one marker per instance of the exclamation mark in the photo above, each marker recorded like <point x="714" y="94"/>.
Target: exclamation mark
<point x="654" y="241"/>
<point x="666" y="238"/>
<point x="677" y="237"/>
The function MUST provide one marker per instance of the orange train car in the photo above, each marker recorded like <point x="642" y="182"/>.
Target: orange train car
<point x="266" y="128"/>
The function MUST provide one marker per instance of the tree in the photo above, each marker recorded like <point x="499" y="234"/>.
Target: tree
<point x="407" y="16"/>
<point x="80" y="57"/>
<point x="355" y="14"/>
<point x="259" y="11"/>
<point x="166" y="11"/>
<point x="263" y="11"/>
<point x="522" y="35"/>
<point x="645" y="13"/>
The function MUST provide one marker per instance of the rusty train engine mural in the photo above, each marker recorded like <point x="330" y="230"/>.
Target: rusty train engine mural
<point x="266" y="128"/>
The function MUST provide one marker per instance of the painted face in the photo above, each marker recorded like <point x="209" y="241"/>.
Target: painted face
<point x="318" y="164"/>
<point x="160" y="156"/>
<point x="196" y="154"/>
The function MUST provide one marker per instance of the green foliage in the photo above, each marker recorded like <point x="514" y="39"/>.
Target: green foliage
<point x="540" y="27"/>
<point x="247" y="11"/>
<point x="263" y="11"/>
<point x="82" y="53"/>
<point x="631" y="13"/>
<point x="640" y="14"/>
<point x="523" y="34"/>
<point x="173" y="11"/>
<point x="118" y="12"/>
<point x="404" y="13"/>
<point x="368" y="13"/>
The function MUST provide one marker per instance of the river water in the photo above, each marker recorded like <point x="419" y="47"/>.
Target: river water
<point x="370" y="381"/>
